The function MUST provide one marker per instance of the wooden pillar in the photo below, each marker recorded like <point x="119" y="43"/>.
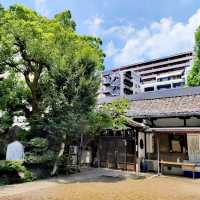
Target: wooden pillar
<point x="158" y="153"/>
<point x="137" y="166"/>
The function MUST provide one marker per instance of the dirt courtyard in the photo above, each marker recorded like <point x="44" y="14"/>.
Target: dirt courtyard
<point x="104" y="187"/>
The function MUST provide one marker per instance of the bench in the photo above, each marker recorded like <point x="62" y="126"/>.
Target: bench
<point x="184" y="165"/>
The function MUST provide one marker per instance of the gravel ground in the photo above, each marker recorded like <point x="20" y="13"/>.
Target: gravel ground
<point x="105" y="185"/>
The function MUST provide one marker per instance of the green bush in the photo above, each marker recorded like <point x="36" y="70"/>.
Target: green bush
<point x="22" y="135"/>
<point x="13" y="167"/>
<point x="39" y="143"/>
<point x="38" y="152"/>
<point x="44" y="158"/>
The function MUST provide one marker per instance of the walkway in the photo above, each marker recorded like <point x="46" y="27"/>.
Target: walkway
<point x="102" y="184"/>
<point x="87" y="174"/>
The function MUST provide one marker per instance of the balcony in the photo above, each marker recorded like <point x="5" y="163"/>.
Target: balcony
<point x="128" y="83"/>
<point x="106" y="81"/>
<point x="112" y="91"/>
<point x="128" y="91"/>
<point x="128" y="87"/>
<point x="127" y="76"/>
<point x="185" y="59"/>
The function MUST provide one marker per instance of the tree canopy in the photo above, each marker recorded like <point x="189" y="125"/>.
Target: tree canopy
<point x="50" y="59"/>
<point x="51" y="73"/>
<point x="108" y="116"/>
<point x="194" y="76"/>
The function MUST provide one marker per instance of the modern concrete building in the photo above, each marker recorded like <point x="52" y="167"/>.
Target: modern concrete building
<point x="158" y="74"/>
<point x="119" y="83"/>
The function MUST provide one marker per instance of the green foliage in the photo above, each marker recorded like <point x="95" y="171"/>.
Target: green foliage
<point x="116" y="110"/>
<point x="5" y="120"/>
<point x="108" y="116"/>
<point x="14" y="92"/>
<point x="52" y="59"/>
<point x="40" y="143"/>
<point x="194" y="76"/>
<point x="12" y="165"/>
<point x="22" y="135"/>
<point x="39" y="152"/>
<point x="16" y="166"/>
<point x="14" y="96"/>
<point x="55" y="75"/>
<point x="99" y="121"/>
<point x="46" y="158"/>
<point x="65" y="19"/>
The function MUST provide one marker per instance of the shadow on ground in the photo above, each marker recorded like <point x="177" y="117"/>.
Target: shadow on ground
<point x="98" y="175"/>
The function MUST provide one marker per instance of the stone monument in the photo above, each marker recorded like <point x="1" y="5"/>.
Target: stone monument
<point x="15" y="151"/>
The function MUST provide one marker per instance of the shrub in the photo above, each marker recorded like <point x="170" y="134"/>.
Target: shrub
<point x="38" y="153"/>
<point x="15" y="169"/>
<point x="38" y="142"/>
<point x="44" y="158"/>
<point x="22" y="135"/>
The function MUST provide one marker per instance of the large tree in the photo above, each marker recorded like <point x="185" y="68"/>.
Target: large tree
<point x="33" y="45"/>
<point x="58" y="70"/>
<point x="194" y="76"/>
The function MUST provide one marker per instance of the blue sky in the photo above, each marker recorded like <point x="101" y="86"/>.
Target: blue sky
<point x="131" y="30"/>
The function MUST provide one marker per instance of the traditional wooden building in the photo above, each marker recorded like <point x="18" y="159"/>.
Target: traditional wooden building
<point x="169" y="140"/>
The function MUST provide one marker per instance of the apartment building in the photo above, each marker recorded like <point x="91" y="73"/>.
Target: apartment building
<point x="165" y="73"/>
<point x="119" y="83"/>
<point x="158" y="74"/>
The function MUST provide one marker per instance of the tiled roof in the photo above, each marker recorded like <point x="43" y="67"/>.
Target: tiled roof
<point x="165" y="103"/>
<point x="166" y="107"/>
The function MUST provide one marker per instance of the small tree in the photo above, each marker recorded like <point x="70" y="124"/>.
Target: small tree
<point x="116" y="110"/>
<point x="108" y="116"/>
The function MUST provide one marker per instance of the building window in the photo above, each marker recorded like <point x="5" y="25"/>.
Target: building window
<point x="177" y="143"/>
<point x="163" y="79"/>
<point x="163" y="87"/>
<point x="141" y="144"/>
<point x="149" y="89"/>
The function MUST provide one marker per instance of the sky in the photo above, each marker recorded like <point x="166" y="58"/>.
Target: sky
<point x="131" y="30"/>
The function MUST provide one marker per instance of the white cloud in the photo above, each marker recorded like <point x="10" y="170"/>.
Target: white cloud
<point x="94" y="25"/>
<point x="122" y="31"/>
<point x="159" y="39"/>
<point x="110" y="49"/>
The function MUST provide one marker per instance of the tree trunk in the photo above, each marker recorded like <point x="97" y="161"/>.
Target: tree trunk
<point x="33" y="86"/>
<point x="81" y="149"/>
<point x="35" y="103"/>
<point x="61" y="152"/>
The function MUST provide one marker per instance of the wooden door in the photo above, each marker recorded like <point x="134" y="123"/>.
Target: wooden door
<point x="117" y="153"/>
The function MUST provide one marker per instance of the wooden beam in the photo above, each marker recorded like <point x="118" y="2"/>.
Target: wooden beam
<point x="175" y="130"/>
